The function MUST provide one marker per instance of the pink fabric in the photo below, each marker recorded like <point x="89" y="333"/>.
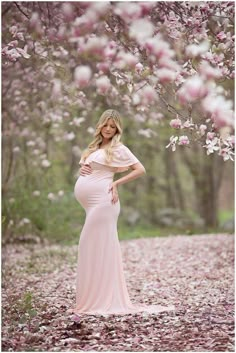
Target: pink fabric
<point x="100" y="283"/>
<point x="122" y="158"/>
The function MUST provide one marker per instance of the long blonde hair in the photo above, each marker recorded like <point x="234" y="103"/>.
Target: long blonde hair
<point x="94" y="145"/>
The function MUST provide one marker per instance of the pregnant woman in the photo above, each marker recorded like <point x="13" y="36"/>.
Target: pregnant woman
<point x="100" y="283"/>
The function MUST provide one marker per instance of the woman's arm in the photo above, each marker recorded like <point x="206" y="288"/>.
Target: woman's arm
<point x="138" y="170"/>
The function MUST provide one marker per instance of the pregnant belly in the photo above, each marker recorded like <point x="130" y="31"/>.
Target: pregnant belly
<point x="92" y="190"/>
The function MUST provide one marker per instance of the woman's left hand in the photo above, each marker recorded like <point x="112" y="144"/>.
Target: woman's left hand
<point x="114" y="191"/>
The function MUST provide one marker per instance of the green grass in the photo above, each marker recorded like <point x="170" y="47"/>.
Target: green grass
<point x="144" y="232"/>
<point x="61" y="222"/>
<point x="225" y="215"/>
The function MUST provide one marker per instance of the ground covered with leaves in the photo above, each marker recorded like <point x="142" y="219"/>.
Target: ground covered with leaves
<point x="194" y="273"/>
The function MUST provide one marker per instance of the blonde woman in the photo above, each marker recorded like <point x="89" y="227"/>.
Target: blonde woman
<point x="100" y="282"/>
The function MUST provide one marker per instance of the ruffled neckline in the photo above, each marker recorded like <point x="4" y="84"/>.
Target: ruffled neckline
<point x="102" y="148"/>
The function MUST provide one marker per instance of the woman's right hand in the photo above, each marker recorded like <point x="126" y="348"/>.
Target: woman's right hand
<point x="85" y="170"/>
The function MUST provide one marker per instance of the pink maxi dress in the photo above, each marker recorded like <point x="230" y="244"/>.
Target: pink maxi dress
<point x="100" y="281"/>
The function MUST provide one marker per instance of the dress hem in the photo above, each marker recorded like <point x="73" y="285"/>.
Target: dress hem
<point x="150" y="309"/>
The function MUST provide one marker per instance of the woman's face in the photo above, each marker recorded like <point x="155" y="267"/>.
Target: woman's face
<point x="109" y="129"/>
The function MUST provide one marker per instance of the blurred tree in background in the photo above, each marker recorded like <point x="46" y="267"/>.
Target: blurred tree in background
<point x="167" y="67"/>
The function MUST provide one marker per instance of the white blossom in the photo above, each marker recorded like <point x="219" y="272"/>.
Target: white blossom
<point x="70" y="136"/>
<point x="45" y="163"/>
<point x="173" y="141"/>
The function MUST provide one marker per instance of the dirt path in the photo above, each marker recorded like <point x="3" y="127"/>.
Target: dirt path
<point x="195" y="273"/>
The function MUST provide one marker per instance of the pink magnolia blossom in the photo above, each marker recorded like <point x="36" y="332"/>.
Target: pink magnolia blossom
<point x="226" y="153"/>
<point x="126" y="99"/>
<point x="56" y="89"/>
<point x="91" y="130"/>
<point x="99" y="7"/>
<point x="11" y="54"/>
<point x="103" y="84"/>
<point x="68" y="11"/>
<point x="34" y="19"/>
<point x="13" y="43"/>
<point x="13" y="30"/>
<point x="136" y="99"/>
<point x="210" y="136"/>
<point x="166" y="75"/>
<point x="226" y="72"/>
<point x="202" y="129"/>
<point x="223" y="118"/>
<point x="183" y="140"/>
<point x="110" y="50"/>
<point x="192" y="89"/>
<point x="82" y="75"/>
<point x="230" y="140"/>
<point x="139" y="118"/>
<point x="208" y="56"/>
<point x="176" y="123"/>
<point x="35" y="23"/>
<point x="125" y="60"/>
<point x="104" y="67"/>
<point x="220" y="109"/>
<point x="168" y="63"/>
<point x="188" y="124"/>
<point x="212" y="145"/>
<point x="69" y="136"/>
<point x="84" y="24"/>
<point x="147" y="132"/>
<point x="218" y="59"/>
<point x="128" y="10"/>
<point x="95" y="45"/>
<point x="158" y="47"/>
<point x="209" y="72"/>
<point x="112" y="44"/>
<point x="146" y="7"/>
<point x="141" y="29"/>
<point x="139" y="68"/>
<point x="62" y="33"/>
<point x="20" y="36"/>
<point x="23" y="52"/>
<point x="89" y="20"/>
<point x="148" y="95"/>
<point x="78" y="121"/>
<point x="194" y="50"/>
<point x="221" y="35"/>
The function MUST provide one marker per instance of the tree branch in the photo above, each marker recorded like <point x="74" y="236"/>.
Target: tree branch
<point x="19" y="8"/>
<point x="6" y="10"/>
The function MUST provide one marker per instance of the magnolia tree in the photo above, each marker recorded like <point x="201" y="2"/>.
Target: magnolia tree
<point x="162" y="62"/>
<point x="157" y="62"/>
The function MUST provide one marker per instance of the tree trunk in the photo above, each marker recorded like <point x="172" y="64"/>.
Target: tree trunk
<point x="174" y="191"/>
<point x="207" y="173"/>
<point x="170" y="199"/>
<point x="207" y="200"/>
